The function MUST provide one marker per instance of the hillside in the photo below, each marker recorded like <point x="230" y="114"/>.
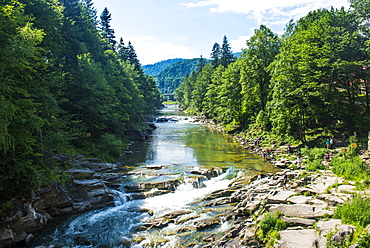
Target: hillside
<point x="154" y="69"/>
<point x="169" y="77"/>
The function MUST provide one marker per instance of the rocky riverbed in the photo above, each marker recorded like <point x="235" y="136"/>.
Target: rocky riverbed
<point x="306" y="203"/>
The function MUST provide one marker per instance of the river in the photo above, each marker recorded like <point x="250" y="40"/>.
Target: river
<point x="174" y="149"/>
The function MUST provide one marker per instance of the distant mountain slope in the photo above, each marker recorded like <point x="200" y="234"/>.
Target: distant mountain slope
<point x="169" y="73"/>
<point x="170" y="77"/>
<point x="156" y="68"/>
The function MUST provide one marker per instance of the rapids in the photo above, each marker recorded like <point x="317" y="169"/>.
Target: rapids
<point x="175" y="148"/>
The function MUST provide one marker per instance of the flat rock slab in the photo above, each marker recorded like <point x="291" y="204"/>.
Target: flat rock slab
<point x="331" y="199"/>
<point x="299" y="221"/>
<point x="300" y="199"/>
<point x="322" y="183"/>
<point x="301" y="210"/>
<point x="305" y="238"/>
<point x="280" y="197"/>
<point x="343" y="188"/>
<point x="325" y="226"/>
<point x="89" y="183"/>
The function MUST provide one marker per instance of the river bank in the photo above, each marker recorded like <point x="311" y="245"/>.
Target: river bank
<point x="305" y="203"/>
<point x="241" y="206"/>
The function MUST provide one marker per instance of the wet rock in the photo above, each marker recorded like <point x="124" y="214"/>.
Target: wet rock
<point x="167" y="185"/>
<point x="206" y="223"/>
<point x="89" y="183"/>
<point x="209" y="173"/>
<point x="159" y="222"/>
<point x="54" y="199"/>
<point x="233" y="243"/>
<point x="98" y="167"/>
<point x="81" y="173"/>
<point x="219" y="193"/>
<point x="6" y="235"/>
<point x="176" y="213"/>
<point x="136" y="134"/>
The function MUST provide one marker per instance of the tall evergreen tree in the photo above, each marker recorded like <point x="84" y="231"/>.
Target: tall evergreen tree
<point x="132" y="57"/>
<point x="226" y="53"/>
<point x="216" y="55"/>
<point x="122" y="50"/>
<point x="201" y="63"/>
<point x="106" y="31"/>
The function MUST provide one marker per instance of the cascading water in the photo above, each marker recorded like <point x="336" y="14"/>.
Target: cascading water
<point x="175" y="150"/>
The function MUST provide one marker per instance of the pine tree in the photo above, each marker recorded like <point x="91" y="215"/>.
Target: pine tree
<point x="226" y="53"/>
<point x="201" y="63"/>
<point x="122" y="50"/>
<point x="216" y="55"/>
<point x="106" y="31"/>
<point x="132" y="57"/>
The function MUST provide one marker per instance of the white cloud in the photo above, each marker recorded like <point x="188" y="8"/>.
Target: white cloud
<point x="268" y="10"/>
<point x="150" y="49"/>
<point x="238" y="44"/>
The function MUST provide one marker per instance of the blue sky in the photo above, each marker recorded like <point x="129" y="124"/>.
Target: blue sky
<point x="165" y="29"/>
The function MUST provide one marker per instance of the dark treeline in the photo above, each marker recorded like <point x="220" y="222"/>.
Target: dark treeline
<point x="314" y="77"/>
<point x="66" y="86"/>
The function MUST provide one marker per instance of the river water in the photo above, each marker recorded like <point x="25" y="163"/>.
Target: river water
<point x="175" y="149"/>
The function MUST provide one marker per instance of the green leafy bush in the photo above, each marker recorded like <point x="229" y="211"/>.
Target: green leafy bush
<point x="351" y="168"/>
<point x="363" y="240"/>
<point x="313" y="153"/>
<point x="315" y="165"/>
<point x="355" y="212"/>
<point x="269" y="226"/>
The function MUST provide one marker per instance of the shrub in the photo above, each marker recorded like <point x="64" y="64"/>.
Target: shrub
<point x="313" y="153"/>
<point x="269" y="226"/>
<point x="363" y="240"/>
<point x="355" y="212"/>
<point x="351" y="168"/>
<point x="315" y="165"/>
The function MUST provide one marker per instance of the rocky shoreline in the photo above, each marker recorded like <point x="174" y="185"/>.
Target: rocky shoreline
<point x="306" y="203"/>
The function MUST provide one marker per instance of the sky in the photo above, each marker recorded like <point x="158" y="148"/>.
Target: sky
<point x="167" y="29"/>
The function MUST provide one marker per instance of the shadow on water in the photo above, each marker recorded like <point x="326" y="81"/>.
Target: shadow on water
<point x="170" y="154"/>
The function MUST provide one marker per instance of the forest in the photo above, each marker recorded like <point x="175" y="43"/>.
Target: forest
<point x="67" y="87"/>
<point x="313" y="79"/>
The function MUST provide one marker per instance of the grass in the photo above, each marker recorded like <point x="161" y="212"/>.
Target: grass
<point x="355" y="212"/>
<point x="350" y="168"/>
<point x="269" y="226"/>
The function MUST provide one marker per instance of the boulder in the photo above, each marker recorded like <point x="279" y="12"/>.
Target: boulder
<point x="307" y="238"/>
<point x="146" y="186"/>
<point x="301" y="210"/>
<point x="6" y="235"/>
<point x="102" y="166"/>
<point x="176" y="213"/>
<point x="280" y="197"/>
<point x="81" y="173"/>
<point x="298" y="221"/>
<point x="136" y="134"/>
<point x="300" y="199"/>
<point x="206" y="223"/>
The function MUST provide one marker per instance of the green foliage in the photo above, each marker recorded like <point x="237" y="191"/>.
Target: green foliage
<point x="169" y="79"/>
<point x="58" y="81"/>
<point x="355" y="212"/>
<point x="315" y="165"/>
<point x="155" y="69"/>
<point x="110" y="147"/>
<point x="351" y="168"/>
<point x="313" y="153"/>
<point x="363" y="240"/>
<point x="269" y="224"/>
